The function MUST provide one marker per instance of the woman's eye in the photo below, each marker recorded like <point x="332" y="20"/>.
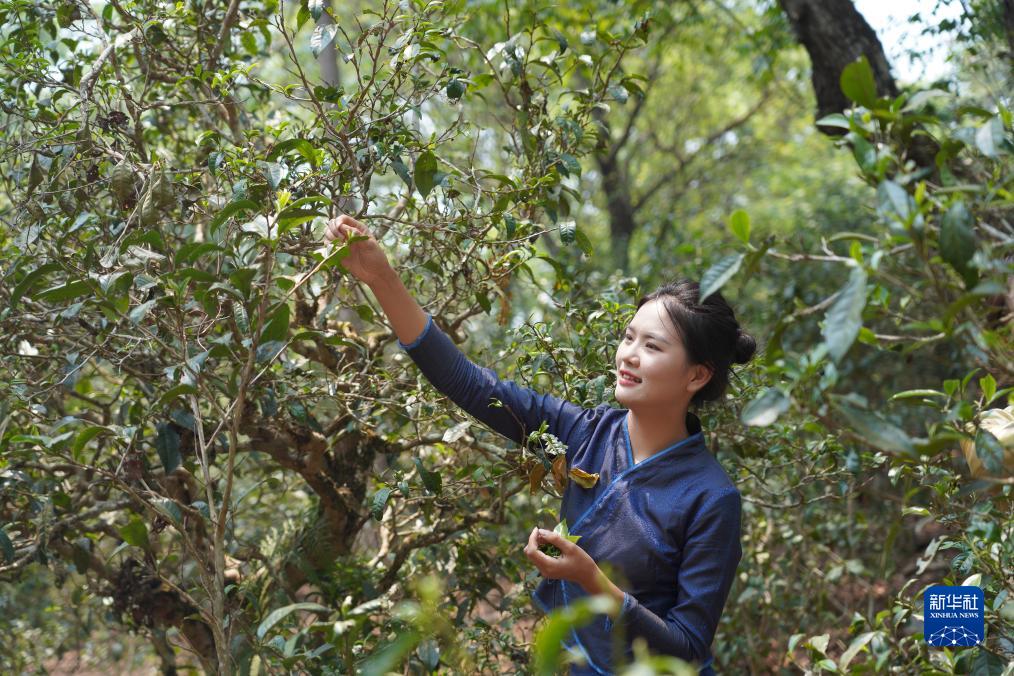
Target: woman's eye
<point x="652" y="346"/>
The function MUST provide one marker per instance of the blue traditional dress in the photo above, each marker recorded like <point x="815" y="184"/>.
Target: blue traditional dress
<point x="667" y="527"/>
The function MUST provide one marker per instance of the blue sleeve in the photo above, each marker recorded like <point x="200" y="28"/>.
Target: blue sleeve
<point x="473" y="387"/>
<point x="710" y="557"/>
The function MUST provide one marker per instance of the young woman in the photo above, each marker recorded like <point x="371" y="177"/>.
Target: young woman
<point x="663" y="516"/>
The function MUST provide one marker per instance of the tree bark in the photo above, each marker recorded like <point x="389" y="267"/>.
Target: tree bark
<point x="618" y="202"/>
<point x="834" y="35"/>
<point x="328" y="58"/>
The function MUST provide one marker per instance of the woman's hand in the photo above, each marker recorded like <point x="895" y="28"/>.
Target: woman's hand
<point x="366" y="260"/>
<point x="573" y="564"/>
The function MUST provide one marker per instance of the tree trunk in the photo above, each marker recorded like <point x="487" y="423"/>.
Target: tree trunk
<point x="328" y="57"/>
<point x="835" y="34"/>
<point x="619" y="205"/>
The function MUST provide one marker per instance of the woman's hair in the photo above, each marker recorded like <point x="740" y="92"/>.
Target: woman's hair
<point x="709" y="331"/>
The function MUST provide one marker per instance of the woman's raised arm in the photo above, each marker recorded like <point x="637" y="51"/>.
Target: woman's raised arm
<point x="475" y="389"/>
<point x="369" y="264"/>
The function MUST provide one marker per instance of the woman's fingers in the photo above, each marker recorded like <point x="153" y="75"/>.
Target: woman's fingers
<point x="553" y="538"/>
<point x="533" y="542"/>
<point x="541" y="560"/>
<point x="342" y="227"/>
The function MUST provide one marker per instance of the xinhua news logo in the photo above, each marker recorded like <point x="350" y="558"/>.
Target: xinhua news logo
<point x="954" y="616"/>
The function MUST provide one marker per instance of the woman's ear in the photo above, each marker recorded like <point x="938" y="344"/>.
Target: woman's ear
<point x="699" y="377"/>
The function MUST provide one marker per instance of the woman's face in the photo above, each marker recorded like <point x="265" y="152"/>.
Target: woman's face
<point x="651" y="351"/>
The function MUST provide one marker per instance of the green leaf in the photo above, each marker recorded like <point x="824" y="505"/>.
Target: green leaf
<point x="289" y="218"/>
<point x="83" y="437"/>
<point x="192" y="251"/>
<point x="720" y="273"/>
<point x="864" y="152"/>
<point x="138" y="314"/>
<point x="431" y="480"/>
<point x="834" y="120"/>
<point x="269" y="350"/>
<point x="845" y="316"/>
<point x="277" y="326"/>
<point x="483" y="300"/>
<point x="876" y="431"/>
<point x="30" y="280"/>
<point x="583" y="242"/>
<point x="202" y="507"/>
<point x="567" y="231"/>
<point x="322" y="37"/>
<point x="6" y="546"/>
<point x="893" y="201"/>
<point x="63" y="292"/>
<point x="765" y="409"/>
<point x="455" y="89"/>
<point x="176" y="392"/>
<point x="301" y="146"/>
<point x="913" y="394"/>
<point x="856" y="251"/>
<point x="135" y="533"/>
<point x="739" y="223"/>
<point x="558" y="626"/>
<point x="168" y="508"/>
<point x="425" y="172"/>
<point x="316" y="8"/>
<point x="365" y="312"/>
<point x="318" y="200"/>
<point x="279" y="614"/>
<point x="302" y="16"/>
<point x="989" y="137"/>
<point x="957" y="241"/>
<point x="298" y="411"/>
<point x="819" y="643"/>
<point x="167" y="443"/>
<point x="917" y="511"/>
<point x="564" y="530"/>
<point x="274" y="172"/>
<point x="987" y="384"/>
<point x="379" y="502"/>
<point x="858" y="84"/>
<point x="249" y="42"/>
<point x="571" y="163"/>
<point x="337" y="254"/>
<point x="401" y="169"/>
<point x="921" y="98"/>
<point x="193" y="367"/>
<point x="385" y="659"/>
<point x="857" y="644"/>
<point x="990" y="451"/>
<point x="986" y="663"/>
<point x="429" y="652"/>
<point x="231" y="209"/>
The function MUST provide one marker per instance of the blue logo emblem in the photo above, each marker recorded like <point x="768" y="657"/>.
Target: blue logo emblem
<point x="954" y="616"/>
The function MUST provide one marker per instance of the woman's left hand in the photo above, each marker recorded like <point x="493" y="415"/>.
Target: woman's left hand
<point x="573" y="564"/>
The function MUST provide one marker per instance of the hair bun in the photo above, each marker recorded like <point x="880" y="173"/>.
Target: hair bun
<point x="745" y="348"/>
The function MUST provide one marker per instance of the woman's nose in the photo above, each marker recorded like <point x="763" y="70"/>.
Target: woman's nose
<point x="628" y="356"/>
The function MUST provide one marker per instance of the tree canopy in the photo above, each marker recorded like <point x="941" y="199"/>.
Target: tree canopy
<point x="213" y="455"/>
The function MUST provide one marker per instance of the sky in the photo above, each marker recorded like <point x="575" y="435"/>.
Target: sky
<point x="889" y="18"/>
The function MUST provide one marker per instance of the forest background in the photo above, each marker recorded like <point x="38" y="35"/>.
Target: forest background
<point x="214" y="457"/>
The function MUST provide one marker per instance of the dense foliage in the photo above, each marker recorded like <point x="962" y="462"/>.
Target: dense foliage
<point x="215" y="455"/>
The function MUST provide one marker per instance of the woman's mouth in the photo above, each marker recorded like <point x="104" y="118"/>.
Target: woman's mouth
<point x="627" y="381"/>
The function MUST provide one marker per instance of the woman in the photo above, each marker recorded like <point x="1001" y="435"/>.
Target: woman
<point x="663" y="516"/>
